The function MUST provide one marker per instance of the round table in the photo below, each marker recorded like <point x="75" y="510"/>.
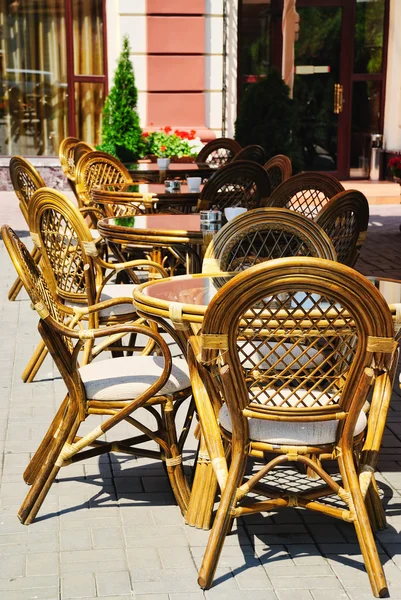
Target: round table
<point x="155" y="198"/>
<point x="183" y="234"/>
<point x="179" y="169"/>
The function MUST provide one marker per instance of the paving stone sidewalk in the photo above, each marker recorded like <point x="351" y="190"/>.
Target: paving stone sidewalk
<point x="109" y="527"/>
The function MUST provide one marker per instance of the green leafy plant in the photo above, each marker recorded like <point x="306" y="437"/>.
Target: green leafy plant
<point x="267" y="116"/>
<point x="167" y="143"/>
<point x="121" y="131"/>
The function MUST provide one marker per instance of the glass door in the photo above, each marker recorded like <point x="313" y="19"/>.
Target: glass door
<point x="319" y="84"/>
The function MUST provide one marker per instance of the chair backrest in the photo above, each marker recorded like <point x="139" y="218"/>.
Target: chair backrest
<point x="345" y="219"/>
<point x="97" y="168"/>
<point x="64" y="239"/>
<point x="218" y="152"/>
<point x="279" y="169"/>
<point x="306" y="193"/>
<point x="252" y="152"/>
<point x="26" y="180"/>
<point x="80" y="149"/>
<point x="296" y="338"/>
<point x="66" y="156"/>
<point x="240" y="183"/>
<point x="264" y="234"/>
<point x="32" y="279"/>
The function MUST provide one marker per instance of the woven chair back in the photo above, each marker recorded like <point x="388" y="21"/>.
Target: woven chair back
<point x="98" y="168"/>
<point x="240" y="183"/>
<point x="26" y="180"/>
<point x="67" y="246"/>
<point x="32" y="279"/>
<point x="218" y="152"/>
<point x="306" y="193"/>
<point x="252" y="152"/>
<point x="279" y="169"/>
<point x="295" y="336"/>
<point x="81" y="149"/>
<point x="66" y="156"/>
<point x="345" y="219"/>
<point x="264" y="234"/>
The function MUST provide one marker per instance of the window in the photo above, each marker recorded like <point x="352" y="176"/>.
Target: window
<point x="52" y="73"/>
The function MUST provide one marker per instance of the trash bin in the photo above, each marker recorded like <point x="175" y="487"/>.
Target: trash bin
<point x="376" y="151"/>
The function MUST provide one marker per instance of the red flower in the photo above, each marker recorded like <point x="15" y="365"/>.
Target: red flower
<point x="163" y="148"/>
<point x="192" y="134"/>
<point x="167" y="129"/>
<point x="145" y="134"/>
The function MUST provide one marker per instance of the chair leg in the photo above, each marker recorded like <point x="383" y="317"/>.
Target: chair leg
<point x="15" y="290"/>
<point x="39" y="457"/>
<point x="34" y="363"/>
<point x="50" y="468"/>
<point x="222" y="523"/>
<point x="374" y="507"/>
<point x="174" y="467"/>
<point x="365" y="536"/>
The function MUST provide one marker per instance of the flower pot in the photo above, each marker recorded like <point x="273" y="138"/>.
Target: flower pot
<point x="163" y="163"/>
<point x="174" y="159"/>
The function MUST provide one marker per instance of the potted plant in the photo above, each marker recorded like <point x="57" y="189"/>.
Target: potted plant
<point x="394" y="165"/>
<point x="166" y="144"/>
<point x="121" y="131"/>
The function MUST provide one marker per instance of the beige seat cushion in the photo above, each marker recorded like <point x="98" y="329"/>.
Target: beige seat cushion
<point x="112" y="291"/>
<point x="293" y="433"/>
<point x="127" y="377"/>
<point x="95" y="234"/>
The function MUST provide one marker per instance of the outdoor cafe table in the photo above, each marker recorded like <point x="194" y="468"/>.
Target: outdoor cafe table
<point x="179" y="232"/>
<point x="153" y="172"/>
<point x="179" y="304"/>
<point x="162" y="200"/>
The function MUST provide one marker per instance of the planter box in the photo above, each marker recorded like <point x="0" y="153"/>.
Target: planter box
<point x="173" y="159"/>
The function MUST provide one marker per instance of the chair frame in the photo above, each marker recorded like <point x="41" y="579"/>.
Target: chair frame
<point x="235" y="173"/>
<point x="279" y="163"/>
<point x="26" y="180"/>
<point x="373" y="366"/>
<point x="232" y="146"/>
<point x="218" y="255"/>
<point x="61" y="446"/>
<point x="299" y="193"/>
<point x="345" y="219"/>
<point x="254" y="152"/>
<point x="66" y="156"/>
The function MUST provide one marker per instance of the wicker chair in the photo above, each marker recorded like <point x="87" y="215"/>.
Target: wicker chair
<point x="95" y="169"/>
<point x="279" y="169"/>
<point x="74" y="270"/>
<point x="263" y="234"/>
<point x="345" y="219"/>
<point x="240" y="183"/>
<point x="253" y="152"/>
<point x="26" y="180"/>
<point x="301" y="397"/>
<point x="218" y="152"/>
<point x="114" y="388"/>
<point x="306" y="193"/>
<point x="66" y="156"/>
<point x="81" y="149"/>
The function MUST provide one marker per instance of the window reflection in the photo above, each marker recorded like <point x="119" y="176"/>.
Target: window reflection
<point x="369" y="36"/>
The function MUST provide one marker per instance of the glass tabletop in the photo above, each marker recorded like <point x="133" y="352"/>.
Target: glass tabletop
<point x="144" y="188"/>
<point x="165" y="222"/>
<point x="179" y="166"/>
<point x="197" y="290"/>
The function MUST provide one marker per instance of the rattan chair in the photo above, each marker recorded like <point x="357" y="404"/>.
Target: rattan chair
<point x="240" y="183"/>
<point x="264" y="234"/>
<point x="306" y="193"/>
<point x="252" y="152"/>
<point x="345" y="219"/>
<point x="26" y="180"/>
<point x="66" y="156"/>
<point x="81" y="149"/>
<point x="279" y="169"/>
<point x="218" y="152"/>
<point x="74" y="269"/>
<point x="298" y="344"/>
<point x="112" y="388"/>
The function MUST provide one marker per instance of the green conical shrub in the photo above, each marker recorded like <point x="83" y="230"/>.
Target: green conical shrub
<point x="121" y="131"/>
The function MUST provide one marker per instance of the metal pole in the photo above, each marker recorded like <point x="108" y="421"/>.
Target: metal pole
<point x="224" y="82"/>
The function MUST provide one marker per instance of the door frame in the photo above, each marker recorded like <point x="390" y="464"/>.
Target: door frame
<point x="347" y="76"/>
